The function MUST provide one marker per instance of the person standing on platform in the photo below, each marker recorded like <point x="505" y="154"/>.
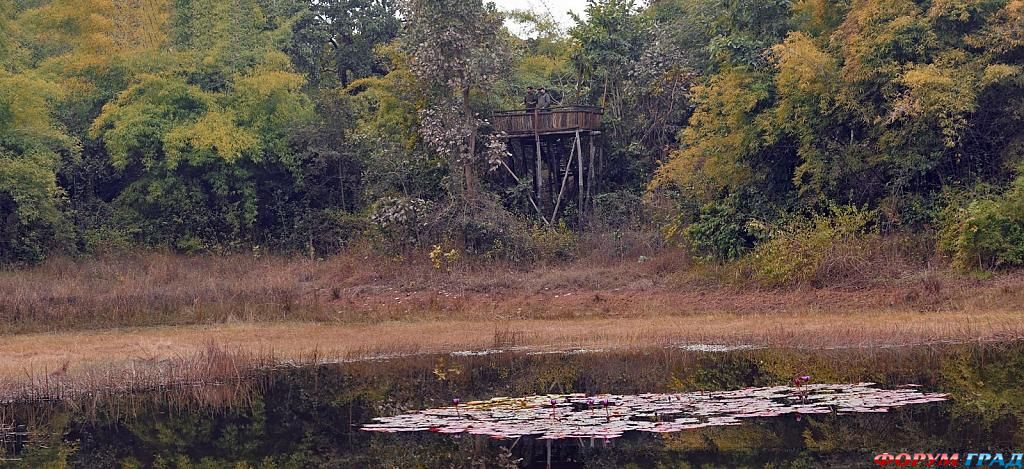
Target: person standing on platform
<point x="530" y="101"/>
<point x="544" y="100"/>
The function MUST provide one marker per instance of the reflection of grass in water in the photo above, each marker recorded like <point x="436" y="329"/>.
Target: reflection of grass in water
<point x="470" y="377"/>
<point x="989" y="401"/>
<point x="743" y="438"/>
<point x="293" y="411"/>
<point x="978" y="372"/>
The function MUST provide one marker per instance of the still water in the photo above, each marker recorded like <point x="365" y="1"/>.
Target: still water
<point x="315" y="416"/>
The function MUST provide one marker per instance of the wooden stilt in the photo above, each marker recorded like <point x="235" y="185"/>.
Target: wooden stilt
<point x="579" y="179"/>
<point x="565" y="179"/>
<point x="538" y="175"/>
<point x="532" y="202"/>
<point x="513" y="162"/>
<point x="553" y="161"/>
<point x="590" y="178"/>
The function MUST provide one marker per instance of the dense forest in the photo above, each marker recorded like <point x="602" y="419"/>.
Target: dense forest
<point x="764" y="132"/>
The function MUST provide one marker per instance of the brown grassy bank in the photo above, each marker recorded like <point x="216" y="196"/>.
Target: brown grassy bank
<point x="35" y="356"/>
<point x="217" y="376"/>
<point x="142" y="314"/>
<point x="163" y="289"/>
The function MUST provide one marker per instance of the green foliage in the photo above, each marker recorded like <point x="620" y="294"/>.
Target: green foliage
<point x="882" y="104"/>
<point x="334" y="40"/>
<point x="385" y="132"/>
<point x="620" y="209"/>
<point x="724" y="132"/>
<point x="611" y="38"/>
<point x="987" y="232"/>
<point x="225" y="36"/>
<point x="797" y="251"/>
<point x="559" y="243"/>
<point x="638" y="64"/>
<point x="475" y="55"/>
<point x="720" y="233"/>
<point x="8" y="47"/>
<point x="740" y="31"/>
<point x="200" y="155"/>
<point x="219" y="125"/>
<point x="30" y="149"/>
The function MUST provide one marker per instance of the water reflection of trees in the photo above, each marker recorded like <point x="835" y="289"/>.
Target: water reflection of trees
<point x="309" y="417"/>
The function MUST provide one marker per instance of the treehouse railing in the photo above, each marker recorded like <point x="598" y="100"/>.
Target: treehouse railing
<point x="547" y="121"/>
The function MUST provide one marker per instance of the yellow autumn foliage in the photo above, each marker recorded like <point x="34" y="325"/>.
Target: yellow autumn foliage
<point x="215" y="133"/>
<point x="722" y="131"/>
<point x="946" y="95"/>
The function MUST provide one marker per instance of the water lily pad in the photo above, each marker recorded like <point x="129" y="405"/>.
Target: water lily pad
<point x="555" y="417"/>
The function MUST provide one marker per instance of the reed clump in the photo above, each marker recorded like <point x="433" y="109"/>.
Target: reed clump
<point x="211" y="365"/>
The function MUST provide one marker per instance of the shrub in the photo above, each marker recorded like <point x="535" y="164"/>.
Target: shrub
<point x="798" y="251"/>
<point x="627" y="224"/>
<point x="442" y="260"/>
<point x="557" y="243"/>
<point x="535" y="243"/>
<point x="319" y="233"/>
<point x="106" y="240"/>
<point x="619" y="210"/>
<point x="719" y="233"/>
<point x="987" y="233"/>
<point x="400" y="221"/>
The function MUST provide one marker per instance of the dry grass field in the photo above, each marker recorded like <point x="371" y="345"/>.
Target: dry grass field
<point x="119" y="318"/>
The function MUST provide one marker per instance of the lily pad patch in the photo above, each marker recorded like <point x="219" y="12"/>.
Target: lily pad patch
<point x="555" y="417"/>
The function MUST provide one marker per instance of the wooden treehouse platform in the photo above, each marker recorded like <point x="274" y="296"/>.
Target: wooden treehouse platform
<point x="546" y="148"/>
<point x="556" y="120"/>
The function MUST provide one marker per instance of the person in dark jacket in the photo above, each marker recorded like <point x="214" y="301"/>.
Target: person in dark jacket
<point x="544" y="100"/>
<point x="530" y="101"/>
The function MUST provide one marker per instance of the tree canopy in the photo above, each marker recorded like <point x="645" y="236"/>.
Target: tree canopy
<point x="203" y="125"/>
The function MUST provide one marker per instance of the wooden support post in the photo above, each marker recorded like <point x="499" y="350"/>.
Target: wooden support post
<point x="590" y="180"/>
<point x="554" y="163"/>
<point x="579" y="179"/>
<point x="538" y="175"/>
<point x="515" y="151"/>
<point x="565" y="179"/>
<point x="549" y="455"/>
<point x="532" y="202"/>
